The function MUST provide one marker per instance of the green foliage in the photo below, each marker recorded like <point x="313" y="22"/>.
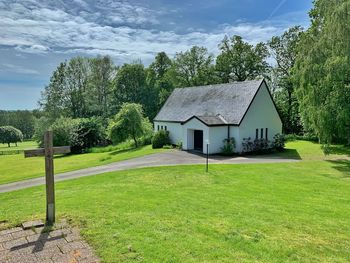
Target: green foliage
<point x="63" y="130"/>
<point x="284" y="50"/>
<point x="239" y="61"/>
<point x="87" y="133"/>
<point x="228" y="147"/>
<point x="41" y="125"/>
<point x="160" y="138"/>
<point x="194" y="68"/>
<point x="305" y="137"/>
<point x="322" y="71"/>
<point x="129" y="123"/>
<point x="278" y="142"/>
<point x="9" y="134"/>
<point x="23" y="120"/>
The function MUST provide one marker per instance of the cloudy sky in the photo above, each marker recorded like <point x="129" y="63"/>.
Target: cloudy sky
<point x="35" y="35"/>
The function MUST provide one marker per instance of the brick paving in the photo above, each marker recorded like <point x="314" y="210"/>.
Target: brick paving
<point x="62" y="244"/>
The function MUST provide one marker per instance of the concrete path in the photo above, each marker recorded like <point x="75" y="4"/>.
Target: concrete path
<point x="169" y="158"/>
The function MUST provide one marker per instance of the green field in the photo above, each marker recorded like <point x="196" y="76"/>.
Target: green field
<point x="20" y="146"/>
<point x="15" y="167"/>
<point x="285" y="212"/>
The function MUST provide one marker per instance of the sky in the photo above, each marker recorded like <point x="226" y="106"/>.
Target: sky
<point x="36" y="35"/>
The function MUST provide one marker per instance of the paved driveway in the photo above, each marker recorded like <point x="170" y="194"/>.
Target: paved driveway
<point x="169" y="158"/>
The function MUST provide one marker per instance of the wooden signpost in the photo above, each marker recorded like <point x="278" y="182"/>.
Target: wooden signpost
<point x="48" y="151"/>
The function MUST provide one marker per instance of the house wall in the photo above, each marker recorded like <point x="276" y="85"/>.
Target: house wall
<point x="174" y="128"/>
<point x="216" y="136"/>
<point x="261" y="114"/>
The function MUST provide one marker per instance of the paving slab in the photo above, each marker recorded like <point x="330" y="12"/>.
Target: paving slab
<point x="51" y="246"/>
<point x="32" y="224"/>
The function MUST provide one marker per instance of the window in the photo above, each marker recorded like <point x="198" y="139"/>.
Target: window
<point x="256" y="134"/>
<point x="266" y="133"/>
<point x="158" y="128"/>
<point x="261" y="133"/>
<point x="161" y="127"/>
<point x="165" y="128"/>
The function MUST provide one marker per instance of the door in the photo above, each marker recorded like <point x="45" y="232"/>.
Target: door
<point x="198" y="140"/>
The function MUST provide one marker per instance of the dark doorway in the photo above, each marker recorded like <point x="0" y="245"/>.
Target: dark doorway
<point x="198" y="140"/>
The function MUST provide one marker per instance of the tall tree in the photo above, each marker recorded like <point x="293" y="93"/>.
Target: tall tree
<point x="158" y="76"/>
<point x="239" y="61"/>
<point x="102" y="72"/>
<point x="130" y="85"/>
<point x="284" y="50"/>
<point x="322" y="71"/>
<point x="194" y="68"/>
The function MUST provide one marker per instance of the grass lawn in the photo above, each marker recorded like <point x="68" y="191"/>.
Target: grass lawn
<point x="15" y="167"/>
<point x="20" y="146"/>
<point x="283" y="212"/>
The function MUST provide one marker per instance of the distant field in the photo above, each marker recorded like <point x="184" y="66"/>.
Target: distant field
<point x="282" y="212"/>
<point x="20" y="146"/>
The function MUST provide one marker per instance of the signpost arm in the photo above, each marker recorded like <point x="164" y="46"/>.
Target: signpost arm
<point x="50" y="183"/>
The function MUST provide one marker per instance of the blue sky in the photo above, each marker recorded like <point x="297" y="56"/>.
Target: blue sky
<point x="36" y="35"/>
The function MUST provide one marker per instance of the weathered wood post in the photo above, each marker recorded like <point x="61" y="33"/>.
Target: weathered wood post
<point x="48" y="151"/>
<point x="50" y="180"/>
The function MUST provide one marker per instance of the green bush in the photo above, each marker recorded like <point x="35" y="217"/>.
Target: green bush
<point x="229" y="147"/>
<point x="278" y="142"/>
<point x="160" y="139"/>
<point x="63" y="130"/>
<point x="9" y="134"/>
<point x="87" y="133"/>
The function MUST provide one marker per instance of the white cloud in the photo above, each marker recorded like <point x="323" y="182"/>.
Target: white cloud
<point x="6" y="67"/>
<point x="61" y="30"/>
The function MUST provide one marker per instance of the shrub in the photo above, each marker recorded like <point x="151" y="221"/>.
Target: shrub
<point x="168" y="146"/>
<point x="305" y="137"/>
<point x="247" y="145"/>
<point x="9" y="134"/>
<point x="160" y="139"/>
<point x="278" y="142"/>
<point x="63" y="130"/>
<point x="229" y="146"/>
<point x="261" y="145"/>
<point x="130" y="123"/>
<point x="87" y="133"/>
<point x="179" y="145"/>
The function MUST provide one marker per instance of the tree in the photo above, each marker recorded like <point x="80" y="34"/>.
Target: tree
<point x="284" y="50"/>
<point x="23" y="120"/>
<point x="102" y="72"/>
<point x="159" y="77"/>
<point x="322" y="71"/>
<point x="129" y="123"/>
<point x="239" y="61"/>
<point x="9" y="134"/>
<point x="194" y="68"/>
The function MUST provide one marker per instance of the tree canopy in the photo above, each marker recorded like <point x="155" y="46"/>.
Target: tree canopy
<point x="322" y="71"/>
<point x="9" y="134"/>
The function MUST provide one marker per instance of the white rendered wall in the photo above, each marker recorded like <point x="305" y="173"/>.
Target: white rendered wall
<point x="216" y="136"/>
<point x="234" y="132"/>
<point x="174" y="128"/>
<point x="261" y="114"/>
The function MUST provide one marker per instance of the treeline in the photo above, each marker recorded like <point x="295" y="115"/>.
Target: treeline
<point x="90" y="87"/>
<point x="23" y="120"/>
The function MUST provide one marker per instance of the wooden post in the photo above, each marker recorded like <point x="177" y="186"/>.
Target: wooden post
<point x="48" y="151"/>
<point x="50" y="180"/>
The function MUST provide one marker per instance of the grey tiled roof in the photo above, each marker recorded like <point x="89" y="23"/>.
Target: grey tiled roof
<point x="212" y="104"/>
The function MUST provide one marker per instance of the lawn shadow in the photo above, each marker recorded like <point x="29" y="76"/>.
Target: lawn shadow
<point x="339" y="150"/>
<point x="129" y="150"/>
<point x="342" y="165"/>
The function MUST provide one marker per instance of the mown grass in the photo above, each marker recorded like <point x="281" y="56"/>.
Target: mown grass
<point x="20" y="146"/>
<point x="15" y="167"/>
<point x="283" y="212"/>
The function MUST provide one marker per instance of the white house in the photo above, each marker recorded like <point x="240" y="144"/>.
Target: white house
<point x="197" y="115"/>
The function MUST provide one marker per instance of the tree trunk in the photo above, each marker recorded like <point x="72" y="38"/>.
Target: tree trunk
<point x="8" y="144"/>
